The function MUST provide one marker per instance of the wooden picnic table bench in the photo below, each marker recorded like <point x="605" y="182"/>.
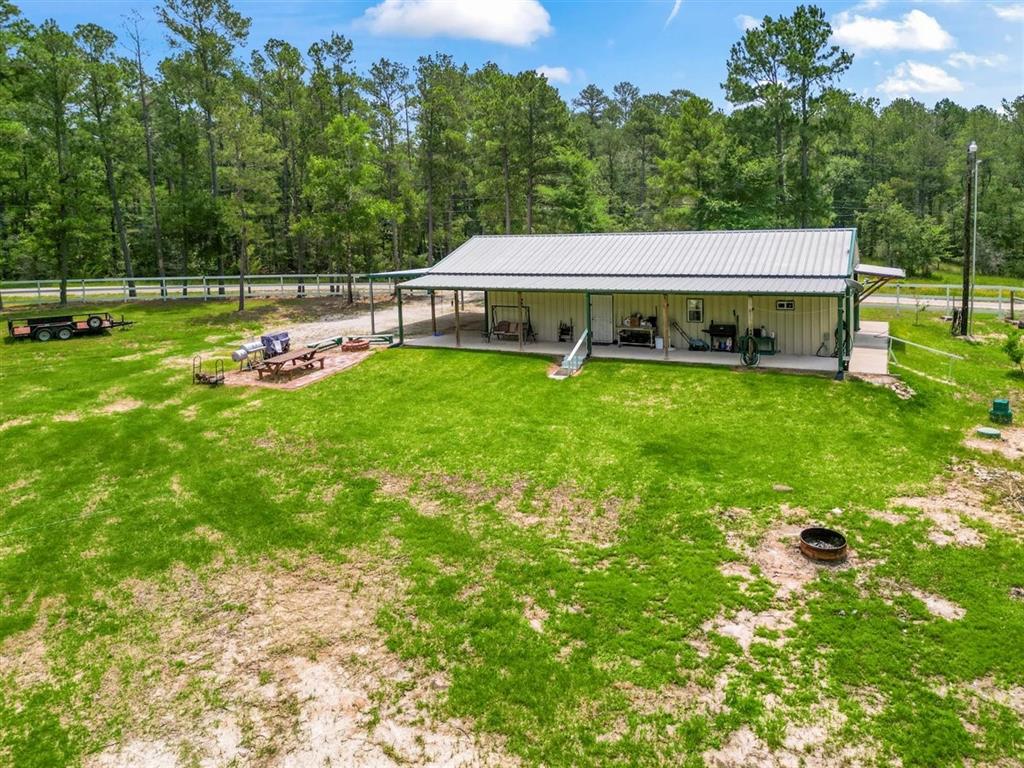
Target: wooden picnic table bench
<point x="302" y="358"/>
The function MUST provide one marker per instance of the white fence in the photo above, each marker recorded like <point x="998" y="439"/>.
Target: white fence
<point x="1000" y="299"/>
<point x="205" y="287"/>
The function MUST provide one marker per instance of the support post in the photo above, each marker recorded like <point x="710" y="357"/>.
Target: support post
<point x="519" y="301"/>
<point x="1012" y="299"/>
<point x="965" y="298"/>
<point x="433" y="315"/>
<point x="458" y="333"/>
<point x="849" y="325"/>
<point x="373" y="319"/>
<point x="401" y="328"/>
<point x="840" y="337"/>
<point x="666" y="334"/>
<point x="586" y="323"/>
<point x="487" y="319"/>
<point x="856" y="315"/>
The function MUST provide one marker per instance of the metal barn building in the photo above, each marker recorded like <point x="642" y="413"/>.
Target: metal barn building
<point x="780" y="298"/>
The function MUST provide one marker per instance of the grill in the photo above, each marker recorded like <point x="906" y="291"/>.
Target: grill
<point x="723" y="336"/>
<point x="276" y="343"/>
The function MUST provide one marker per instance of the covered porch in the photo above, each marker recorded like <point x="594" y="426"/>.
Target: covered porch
<point x="804" y="326"/>
<point x="471" y="338"/>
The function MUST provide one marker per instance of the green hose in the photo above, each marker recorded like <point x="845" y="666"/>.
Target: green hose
<point x="751" y="353"/>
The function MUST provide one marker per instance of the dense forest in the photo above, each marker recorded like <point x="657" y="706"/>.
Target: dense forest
<point x="284" y="161"/>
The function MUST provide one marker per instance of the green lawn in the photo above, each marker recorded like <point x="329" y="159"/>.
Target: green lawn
<point x="569" y="557"/>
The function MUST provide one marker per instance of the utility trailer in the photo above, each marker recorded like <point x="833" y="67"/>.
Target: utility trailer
<point x="63" y="327"/>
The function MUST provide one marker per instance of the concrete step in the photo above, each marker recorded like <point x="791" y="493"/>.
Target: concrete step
<point x="870" y="340"/>
<point x="560" y="373"/>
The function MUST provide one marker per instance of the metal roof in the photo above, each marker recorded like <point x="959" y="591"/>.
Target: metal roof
<point x="782" y="261"/>
<point x="413" y="272"/>
<point x="766" y="253"/>
<point x="876" y="271"/>
<point x="792" y="286"/>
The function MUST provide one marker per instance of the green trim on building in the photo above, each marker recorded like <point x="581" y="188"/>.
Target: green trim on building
<point x="401" y="328"/>
<point x="586" y="323"/>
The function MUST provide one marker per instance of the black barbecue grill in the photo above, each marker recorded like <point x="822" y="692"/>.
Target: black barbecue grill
<point x="723" y="337"/>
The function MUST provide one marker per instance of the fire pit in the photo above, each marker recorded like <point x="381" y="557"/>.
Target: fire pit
<point x="823" y="544"/>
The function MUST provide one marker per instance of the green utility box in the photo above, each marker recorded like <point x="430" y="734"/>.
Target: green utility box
<point x="1001" y="413"/>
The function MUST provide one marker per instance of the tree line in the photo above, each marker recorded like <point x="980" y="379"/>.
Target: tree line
<point x="211" y="161"/>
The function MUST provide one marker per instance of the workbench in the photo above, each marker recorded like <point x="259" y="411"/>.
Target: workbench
<point x="628" y="335"/>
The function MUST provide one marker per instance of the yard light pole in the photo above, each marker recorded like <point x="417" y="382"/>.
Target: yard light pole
<point x="965" y="298"/>
<point x="974" y="240"/>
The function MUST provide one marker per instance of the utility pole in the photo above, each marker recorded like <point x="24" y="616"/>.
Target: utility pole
<point x="965" y="298"/>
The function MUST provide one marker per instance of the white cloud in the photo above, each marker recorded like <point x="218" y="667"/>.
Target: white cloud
<point x="915" y="31"/>
<point x="555" y="74"/>
<point x="745" y="22"/>
<point x="674" y="12"/>
<point x="869" y="5"/>
<point x="1012" y="12"/>
<point x="915" y="77"/>
<point x="510" y="22"/>
<point x="972" y="61"/>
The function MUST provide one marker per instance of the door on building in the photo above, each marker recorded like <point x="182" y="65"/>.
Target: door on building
<point x="601" y="324"/>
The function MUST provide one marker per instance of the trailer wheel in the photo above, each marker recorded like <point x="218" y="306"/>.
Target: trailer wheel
<point x="95" y="322"/>
<point x="64" y="333"/>
<point x="43" y="334"/>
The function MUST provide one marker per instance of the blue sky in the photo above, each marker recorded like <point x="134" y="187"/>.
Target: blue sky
<point x="971" y="51"/>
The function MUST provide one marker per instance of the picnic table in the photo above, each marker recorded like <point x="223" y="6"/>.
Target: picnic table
<point x="302" y="358"/>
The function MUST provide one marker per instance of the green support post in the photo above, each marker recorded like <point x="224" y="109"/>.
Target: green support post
<point x="856" y="315"/>
<point x="401" y="329"/>
<point x="840" y="336"/>
<point x="586" y="324"/>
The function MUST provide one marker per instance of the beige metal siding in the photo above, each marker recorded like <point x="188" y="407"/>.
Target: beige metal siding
<point x="547" y="310"/>
<point x="798" y="332"/>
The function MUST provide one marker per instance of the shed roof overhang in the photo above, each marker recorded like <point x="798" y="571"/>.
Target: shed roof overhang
<point x="416" y="272"/>
<point x="872" y="270"/>
<point x="697" y="284"/>
<point x="877" y="277"/>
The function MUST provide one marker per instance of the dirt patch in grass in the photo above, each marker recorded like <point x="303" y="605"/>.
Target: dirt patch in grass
<point x="893" y="518"/>
<point x="968" y="496"/>
<point x="272" y="666"/>
<point x="939" y="606"/>
<point x="1010" y="444"/>
<point x="564" y="510"/>
<point x="777" y="556"/>
<point x="987" y="689"/>
<point x="534" y="614"/>
<point x="20" y="421"/>
<point x="121" y="405"/>
<point x="23" y="656"/>
<point x="815" y="740"/>
<point x="745" y="625"/>
<point x="678" y="700"/>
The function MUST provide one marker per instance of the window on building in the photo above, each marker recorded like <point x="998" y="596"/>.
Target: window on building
<point x="785" y="305"/>
<point x="695" y="310"/>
